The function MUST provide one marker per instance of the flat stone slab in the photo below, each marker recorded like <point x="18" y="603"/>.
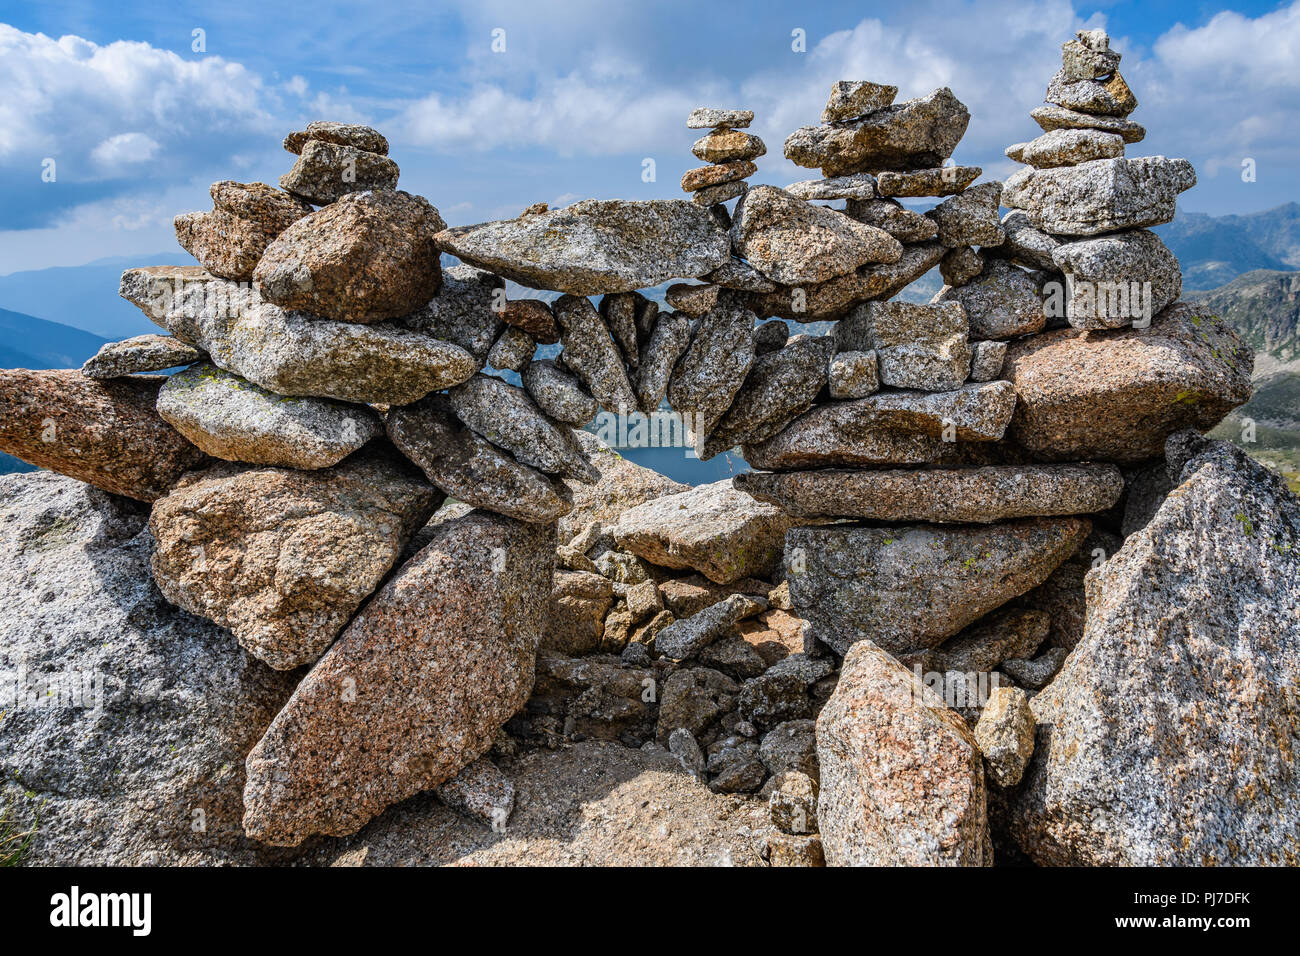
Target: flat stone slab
<point x="235" y="420"/>
<point x="915" y="586"/>
<point x="957" y="495"/>
<point x="143" y="353"/>
<point x="596" y="246"/>
<point x="1100" y="196"/>
<point x="715" y="529"/>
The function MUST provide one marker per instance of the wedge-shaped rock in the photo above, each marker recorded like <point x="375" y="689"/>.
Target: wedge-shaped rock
<point x="1117" y="280"/>
<point x="902" y="779"/>
<point x="917" y="346"/>
<point x="622" y="485"/>
<point x="940" y="181"/>
<point x="246" y="217"/>
<point x="1165" y="739"/>
<point x="1100" y="196"/>
<point x="914" y="134"/>
<point x="970" y="218"/>
<point x="469" y="468"/>
<point x="741" y="276"/>
<point x="367" y="257"/>
<point x="342" y="134"/>
<point x="558" y="393"/>
<point x="1002" y="302"/>
<point x="326" y="172"/>
<point x="888" y="428"/>
<point x="1025" y="243"/>
<point x="1117" y="395"/>
<point x="715" y="529"/>
<point x="792" y="242"/>
<point x="592" y="355"/>
<point x="513" y="350"/>
<point x="780" y="386"/>
<point x="1050" y="117"/>
<point x="597" y="245"/>
<point x="1067" y="147"/>
<point x="414" y="690"/>
<point x="154" y="290"/>
<point x="686" y="638"/>
<point x="618" y="312"/>
<point x="859" y="186"/>
<point x="668" y="343"/>
<point x="831" y="300"/>
<point x="853" y="374"/>
<point x="193" y="305"/>
<point x="709" y="375"/>
<point x="890" y="215"/>
<point x="917" y="585"/>
<point x="467" y="311"/>
<point x="282" y="557"/>
<point x="957" y="495"/>
<point x="105" y="433"/>
<point x="850" y="99"/>
<point x="505" y="415"/>
<point x="143" y="353"/>
<point x="235" y="420"/>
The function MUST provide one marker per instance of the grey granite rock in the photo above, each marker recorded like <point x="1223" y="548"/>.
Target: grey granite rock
<point x="480" y="791"/>
<point x="987" y="358"/>
<point x="143" y="353"/>
<point x="558" y="393"/>
<point x="693" y="300"/>
<point x="939" y="181"/>
<point x="704" y="117"/>
<point x="961" y="495"/>
<point x="728" y="146"/>
<point x="1025" y="243"/>
<point x="592" y="355"/>
<point x="917" y="585"/>
<point x="1051" y="117"/>
<point x="1164" y="741"/>
<point x="741" y="276"/>
<point x="1003" y="302"/>
<point x="1100" y="196"/>
<point x="1105" y="97"/>
<point x="859" y="186"/>
<point x="245" y="218"/>
<point x="853" y="374"/>
<point x="467" y="311"/>
<point x="513" y="350"/>
<point x="343" y="134"/>
<point x="970" y="218"/>
<point x="326" y="172"/>
<point x="791" y="241"/>
<point x="850" y="99"/>
<point x="903" y="224"/>
<point x="918" y="346"/>
<point x="1088" y="56"/>
<point x="770" y="336"/>
<point x="505" y="415"/>
<point x="596" y="246"/>
<point x="1005" y="734"/>
<point x="1067" y="147"/>
<point x="960" y="265"/>
<point x="666" y="345"/>
<point x="471" y="469"/>
<point x="714" y="366"/>
<point x="235" y="420"/>
<point x="1124" y="278"/>
<point x="916" y="133"/>
<point x="686" y="638"/>
<point x="618" y="312"/>
<point x="780" y="386"/>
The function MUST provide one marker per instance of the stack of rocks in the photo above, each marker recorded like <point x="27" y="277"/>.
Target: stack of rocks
<point x="729" y="151"/>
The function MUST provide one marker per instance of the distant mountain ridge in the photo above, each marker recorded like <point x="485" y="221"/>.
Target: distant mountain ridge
<point x="1264" y="306"/>
<point x="1214" y="250"/>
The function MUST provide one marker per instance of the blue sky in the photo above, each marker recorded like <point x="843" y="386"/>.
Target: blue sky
<point x="139" y="124"/>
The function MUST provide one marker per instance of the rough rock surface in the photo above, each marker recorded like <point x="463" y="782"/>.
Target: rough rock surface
<point x="793" y="242"/>
<point x="970" y="218"/>
<point x="343" y="134"/>
<point x="917" y="346"/>
<point x="595" y="803"/>
<point x="850" y="99"/>
<point x="284" y="557"/>
<point x="917" y="133"/>
<point x="853" y="374"/>
<point x="1051" y="117"/>
<point x="958" y="495"/>
<point x="1002" y="302"/>
<point x="367" y="257"/>
<point x="1068" y="147"/>
<point x="592" y="355"/>
<point x="1165" y="740"/>
<point x="245" y="218"/>
<point x="467" y="311"/>
<point x="916" y="585"/>
<point x="859" y="186"/>
<point x="596" y="246"/>
<point x="1100" y="196"/>
<point x="132" y="718"/>
<point x="940" y="181"/>
<point x="902" y="781"/>
<point x="105" y="433"/>
<point x="1005" y="734"/>
<point x="469" y="468"/>
<point x="236" y="420"/>
<point x="481" y="791"/>
<point x="1117" y="280"/>
<point x="687" y="637"/>
<point x="780" y="385"/>
<point x="903" y="224"/>
<point x="505" y="415"/>
<point x="715" y="529"/>
<point x="1116" y="395"/>
<point x="414" y="690"/>
<point x="326" y="172"/>
<point x="666" y="345"/>
<point x="558" y="393"/>
<point x="713" y="368"/>
<point x="143" y="353"/>
<point x="1025" y="243"/>
<point x="728" y="146"/>
<point x="576" y="615"/>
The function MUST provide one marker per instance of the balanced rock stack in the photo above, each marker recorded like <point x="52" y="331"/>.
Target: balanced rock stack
<point x="933" y="483"/>
<point x="730" y="152"/>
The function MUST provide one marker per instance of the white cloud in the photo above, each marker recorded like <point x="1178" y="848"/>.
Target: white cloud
<point x="124" y="149"/>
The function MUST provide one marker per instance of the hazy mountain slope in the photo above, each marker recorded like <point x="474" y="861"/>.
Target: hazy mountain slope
<point x="1215" y="250"/>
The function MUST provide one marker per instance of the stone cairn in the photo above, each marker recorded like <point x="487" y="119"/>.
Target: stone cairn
<point x="925" y="473"/>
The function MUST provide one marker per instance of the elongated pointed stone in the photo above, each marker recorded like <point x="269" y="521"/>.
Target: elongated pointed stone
<point x="716" y="362"/>
<point x="591" y="354"/>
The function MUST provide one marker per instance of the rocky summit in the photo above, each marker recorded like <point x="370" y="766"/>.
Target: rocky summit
<point x="367" y="575"/>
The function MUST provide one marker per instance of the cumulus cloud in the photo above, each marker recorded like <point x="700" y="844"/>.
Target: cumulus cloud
<point x="125" y="148"/>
